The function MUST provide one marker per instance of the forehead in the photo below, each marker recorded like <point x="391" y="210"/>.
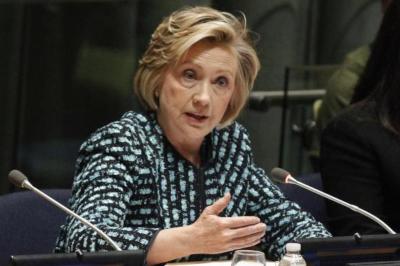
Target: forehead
<point x="215" y="54"/>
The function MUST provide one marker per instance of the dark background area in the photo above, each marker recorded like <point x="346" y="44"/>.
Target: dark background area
<point x="67" y="66"/>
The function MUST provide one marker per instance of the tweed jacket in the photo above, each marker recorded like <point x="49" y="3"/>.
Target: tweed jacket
<point x="132" y="183"/>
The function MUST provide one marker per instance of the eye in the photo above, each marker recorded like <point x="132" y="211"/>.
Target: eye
<point x="222" y="82"/>
<point x="189" y="74"/>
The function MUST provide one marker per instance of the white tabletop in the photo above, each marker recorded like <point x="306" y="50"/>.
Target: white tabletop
<point x="213" y="263"/>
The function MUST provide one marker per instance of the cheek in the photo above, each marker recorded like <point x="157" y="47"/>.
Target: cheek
<point x="173" y="99"/>
<point x="172" y="89"/>
<point x="229" y="98"/>
<point x="173" y="92"/>
<point x="223" y="103"/>
<point x="167" y="94"/>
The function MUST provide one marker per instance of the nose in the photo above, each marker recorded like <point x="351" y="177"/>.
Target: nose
<point x="202" y="95"/>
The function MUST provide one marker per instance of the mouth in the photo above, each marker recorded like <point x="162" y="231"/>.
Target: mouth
<point x="197" y="117"/>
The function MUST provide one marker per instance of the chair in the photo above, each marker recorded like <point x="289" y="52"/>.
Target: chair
<point x="29" y="224"/>
<point x="307" y="200"/>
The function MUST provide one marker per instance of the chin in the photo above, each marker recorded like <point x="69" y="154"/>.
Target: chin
<point x="197" y="133"/>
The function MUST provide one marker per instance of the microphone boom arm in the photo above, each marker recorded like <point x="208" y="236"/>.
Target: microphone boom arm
<point x="292" y="180"/>
<point x="26" y="184"/>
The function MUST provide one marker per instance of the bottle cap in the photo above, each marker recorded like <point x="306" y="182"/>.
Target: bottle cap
<point x="293" y="247"/>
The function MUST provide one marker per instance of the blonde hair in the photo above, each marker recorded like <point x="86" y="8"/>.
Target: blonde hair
<point x="177" y="34"/>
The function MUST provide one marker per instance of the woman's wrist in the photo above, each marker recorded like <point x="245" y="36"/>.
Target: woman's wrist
<point x="187" y="240"/>
<point x="172" y="243"/>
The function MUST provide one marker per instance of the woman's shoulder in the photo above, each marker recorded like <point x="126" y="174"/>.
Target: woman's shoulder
<point x="131" y="124"/>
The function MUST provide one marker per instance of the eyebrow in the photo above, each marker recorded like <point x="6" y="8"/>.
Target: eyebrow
<point x="222" y="70"/>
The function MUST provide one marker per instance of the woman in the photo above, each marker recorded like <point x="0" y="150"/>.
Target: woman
<point x="360" y="149"/>
<point x="180" y="180"/>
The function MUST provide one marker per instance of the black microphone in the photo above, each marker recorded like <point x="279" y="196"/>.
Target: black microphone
<point x="282" y="176"/>
<point x="20" y="180"/>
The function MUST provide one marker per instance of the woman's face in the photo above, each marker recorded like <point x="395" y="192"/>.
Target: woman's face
<point x="196" y="92"/>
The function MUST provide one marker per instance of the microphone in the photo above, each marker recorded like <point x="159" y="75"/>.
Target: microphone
<point x="282" y="176"/>
<point x="20" y="180"/>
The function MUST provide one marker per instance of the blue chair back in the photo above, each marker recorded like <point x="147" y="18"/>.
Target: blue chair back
<point x="29" y="224"/>
<point x="308" y="201"/>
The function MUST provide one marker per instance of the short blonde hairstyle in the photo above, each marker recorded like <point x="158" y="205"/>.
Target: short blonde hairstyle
<point x="177" y="34"/>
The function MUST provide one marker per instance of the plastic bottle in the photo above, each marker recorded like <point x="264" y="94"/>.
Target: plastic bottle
<point x="292" y="256"/>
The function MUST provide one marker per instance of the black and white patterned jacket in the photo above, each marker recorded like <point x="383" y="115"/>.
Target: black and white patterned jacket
<point x="131" y="183"/>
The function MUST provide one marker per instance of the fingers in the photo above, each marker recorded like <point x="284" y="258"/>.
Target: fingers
<point x="219" y="205"/>
<point x="248" y="240"/>
<point x="257" y="229"/>
<point x="240" y="221"/>
<point x="217" y="234"/>
<point x="245" y="244"/>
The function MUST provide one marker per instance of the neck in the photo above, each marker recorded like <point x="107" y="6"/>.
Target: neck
<point x="189" y="150"/>
<point x="188" y="147"/>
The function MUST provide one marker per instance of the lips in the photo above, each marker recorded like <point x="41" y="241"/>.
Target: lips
<point x="197" y="117"/>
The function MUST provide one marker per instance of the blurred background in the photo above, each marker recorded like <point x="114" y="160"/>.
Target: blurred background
<point x="67" y="66"/>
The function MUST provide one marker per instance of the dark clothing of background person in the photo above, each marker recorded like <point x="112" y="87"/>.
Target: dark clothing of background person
<point x="360" y="163"/>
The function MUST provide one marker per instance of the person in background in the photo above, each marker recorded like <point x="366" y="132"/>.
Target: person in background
<point x="339" y="91"/>
<point x="360" y="148"/>
<point x="180" y="180"/>
<point x="340" y="86"/>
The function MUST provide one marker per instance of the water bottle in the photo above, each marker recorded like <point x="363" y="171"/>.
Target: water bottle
<point x="292" y="256"/>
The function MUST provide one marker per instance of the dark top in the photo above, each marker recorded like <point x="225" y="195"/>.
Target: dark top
<point x="131" y="183"/>
<point x="360" y="163"/>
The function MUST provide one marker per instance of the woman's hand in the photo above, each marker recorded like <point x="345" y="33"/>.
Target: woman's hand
<point x="213" y="234"/>
<point x="210" y="234"/>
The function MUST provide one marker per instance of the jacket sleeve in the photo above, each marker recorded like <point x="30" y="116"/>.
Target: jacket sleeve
<point x="285" y="220"/>
<point x="350" y="171"/>
<point x="104" y="185"/>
